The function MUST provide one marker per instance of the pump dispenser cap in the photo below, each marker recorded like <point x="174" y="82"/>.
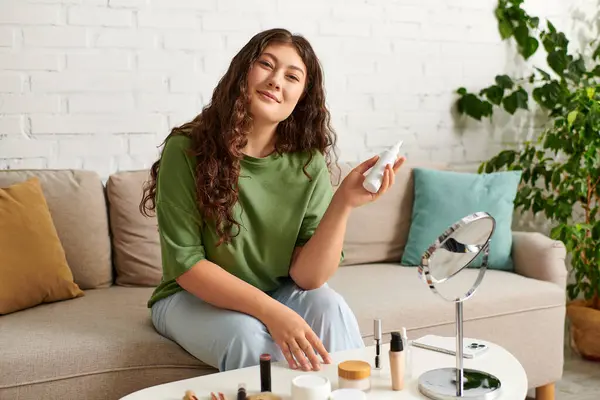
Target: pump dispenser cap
<point x="396" y="343"/>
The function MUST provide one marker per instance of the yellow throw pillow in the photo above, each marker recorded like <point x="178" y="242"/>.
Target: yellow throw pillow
<point x="33" y="265"/>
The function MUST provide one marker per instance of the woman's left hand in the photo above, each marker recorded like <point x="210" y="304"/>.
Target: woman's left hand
<point x="351" y="192"/>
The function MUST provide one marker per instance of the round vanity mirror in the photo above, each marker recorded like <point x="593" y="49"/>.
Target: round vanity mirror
<point x="464" y="244"/>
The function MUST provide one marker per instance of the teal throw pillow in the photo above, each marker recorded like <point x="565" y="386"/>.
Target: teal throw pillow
<point x="442" y="198"/>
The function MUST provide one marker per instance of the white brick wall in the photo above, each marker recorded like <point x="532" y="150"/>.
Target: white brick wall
<point x="97" y="84"/>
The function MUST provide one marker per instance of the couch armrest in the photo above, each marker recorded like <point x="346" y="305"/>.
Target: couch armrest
<point x="537" y="256"/>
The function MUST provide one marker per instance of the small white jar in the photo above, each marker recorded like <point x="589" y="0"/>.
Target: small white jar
<point x="310" y="387"/>
<point x="354" y="374"/>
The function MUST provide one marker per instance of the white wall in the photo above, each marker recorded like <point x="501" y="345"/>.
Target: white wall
<point x="97" y="84"/>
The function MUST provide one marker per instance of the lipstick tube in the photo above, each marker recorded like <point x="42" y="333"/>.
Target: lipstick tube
<point x="241" y="394"/>
<point x="265" y="373"/>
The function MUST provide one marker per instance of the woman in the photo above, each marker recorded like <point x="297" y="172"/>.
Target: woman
<point x="250" y="229"/>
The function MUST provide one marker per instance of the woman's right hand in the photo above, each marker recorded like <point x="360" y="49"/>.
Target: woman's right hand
<point x="297" y="341"/>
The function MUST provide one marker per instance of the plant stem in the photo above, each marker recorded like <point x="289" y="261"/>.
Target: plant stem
<point x="590" y="192"/>
<point x="589" y="198"/>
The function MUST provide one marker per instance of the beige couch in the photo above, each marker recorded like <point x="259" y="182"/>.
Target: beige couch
<point x="103" y="346"/>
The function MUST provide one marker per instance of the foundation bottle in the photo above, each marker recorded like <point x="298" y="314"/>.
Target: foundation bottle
<point x="397" y="361"/>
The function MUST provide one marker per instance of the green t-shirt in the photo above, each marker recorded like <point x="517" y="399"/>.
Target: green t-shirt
<point x="279" y="208"/>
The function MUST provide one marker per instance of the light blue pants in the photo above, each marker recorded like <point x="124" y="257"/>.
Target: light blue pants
<point x="228" y="339"/>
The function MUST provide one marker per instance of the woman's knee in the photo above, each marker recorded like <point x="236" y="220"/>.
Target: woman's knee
<point x="331" y="318"/>
<point x="223" y="339"/>
<point x="325" y="303"/>
<point x="243" y="346"/>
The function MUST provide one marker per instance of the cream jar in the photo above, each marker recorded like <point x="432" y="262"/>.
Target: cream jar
<point x="354" y="374"/>
<point x="310" y="387"/>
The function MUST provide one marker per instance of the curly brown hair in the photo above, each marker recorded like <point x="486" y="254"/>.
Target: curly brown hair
<point x="219" y="133"/>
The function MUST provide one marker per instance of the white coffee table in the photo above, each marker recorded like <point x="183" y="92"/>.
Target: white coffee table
<point x="496" y="361"/>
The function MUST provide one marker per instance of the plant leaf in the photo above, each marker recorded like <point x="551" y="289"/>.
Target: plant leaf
<point x="504" y="81"/>
<point x="522" y="98"/>
<point x="572" y="77"/>
<point x="546" y="76"/>
<point x="521" y="35"/>
<point x="578" y="67"/>
<point x="505" y="158"/>
<point x="517" y="99"/>
<point x="474" y="107"/>
<point x="556" y="175"/>
<point x="571" y="117"/>
<point x="526" y="46"/>
<point x="494" y="94"/>
<point x="593" y="117"/>
<point x="549" y="95"/>
<point x="534" y="22"/>
<point x="562" y="41"/>
<point x="558" y="61"/>
<point x="549" y="44"/>
<point x="505" y="29"/>
<point x="530" y="47"/>
<point x="510" y="104"/>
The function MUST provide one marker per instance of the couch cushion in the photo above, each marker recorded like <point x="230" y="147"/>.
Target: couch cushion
<point x="378" y="231"/>
<point x="444" y="197"/>
<point x="136" y="246"/>
<point x="77" y="204"/>
<point x="33" y="265"/>
<point x="396" y="294"/>
<point x="107" y="331"/>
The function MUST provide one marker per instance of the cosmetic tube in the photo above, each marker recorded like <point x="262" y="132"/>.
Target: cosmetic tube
<point x="241" y="393"/>
<point x="265" y="373"/>
<point x="397" y="361"/>
<point x="374" y="178"/>
<point x="377" y="335"/>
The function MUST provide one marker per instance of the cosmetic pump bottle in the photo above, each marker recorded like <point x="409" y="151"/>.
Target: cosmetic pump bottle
<point x="408" y="355"/>
<point x="397" y="361"/>
<point x="374" y="178"/>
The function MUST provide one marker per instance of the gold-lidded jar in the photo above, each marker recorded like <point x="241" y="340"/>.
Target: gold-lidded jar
<point x="354" y="374"/>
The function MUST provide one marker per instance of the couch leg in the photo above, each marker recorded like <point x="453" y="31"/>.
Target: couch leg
<point x="545" y="392"/>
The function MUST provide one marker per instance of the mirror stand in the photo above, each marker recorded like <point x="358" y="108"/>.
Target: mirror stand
<point x="458" y="382"/>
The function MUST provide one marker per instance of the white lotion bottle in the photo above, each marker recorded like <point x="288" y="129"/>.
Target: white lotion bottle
<point x="374" y="178"/>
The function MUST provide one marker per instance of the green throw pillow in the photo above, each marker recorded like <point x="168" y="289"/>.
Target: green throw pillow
<point x="442" y="198"/>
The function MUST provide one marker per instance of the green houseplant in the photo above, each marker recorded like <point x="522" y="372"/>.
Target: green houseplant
<point x="561" y="168"/>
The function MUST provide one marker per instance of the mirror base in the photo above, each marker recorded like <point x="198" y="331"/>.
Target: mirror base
<point x="440" y="384"/>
